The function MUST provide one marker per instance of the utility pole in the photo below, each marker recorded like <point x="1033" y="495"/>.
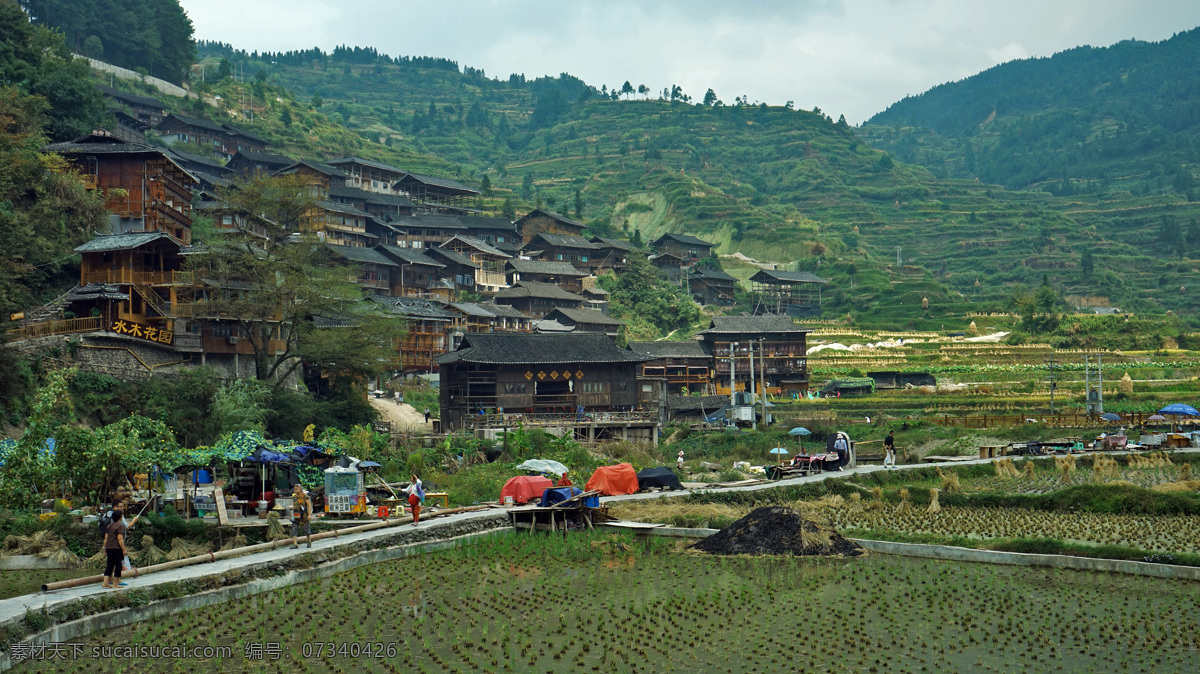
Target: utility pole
<point x="732" y="376"/>
<point x="750" y="386"/>
<point x="899" y="261"/>
<point x="762" y="375"/>
<point x="1051" y="364"/>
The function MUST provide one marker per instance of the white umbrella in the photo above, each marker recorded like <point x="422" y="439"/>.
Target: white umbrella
<point x="544" y="466"/>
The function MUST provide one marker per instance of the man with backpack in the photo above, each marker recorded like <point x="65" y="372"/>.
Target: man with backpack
<point x="300" y="515"/>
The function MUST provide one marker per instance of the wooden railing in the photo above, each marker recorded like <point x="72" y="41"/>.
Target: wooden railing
<point x="60" y="327"/>
<point x="153" y="278"/>
<point x="508" y="420"/>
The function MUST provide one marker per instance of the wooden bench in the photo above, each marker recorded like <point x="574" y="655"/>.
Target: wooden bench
<point x="989" y="451"/>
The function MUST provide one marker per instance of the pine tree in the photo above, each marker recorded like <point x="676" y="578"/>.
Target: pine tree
<point x="485" y="186"/>
<point x="1086" y="264"/>
<point x="578" y="204"/>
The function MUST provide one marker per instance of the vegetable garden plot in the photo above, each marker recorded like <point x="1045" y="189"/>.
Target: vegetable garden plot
<point x="607" y="603"/>
<point x="15" y="583"/>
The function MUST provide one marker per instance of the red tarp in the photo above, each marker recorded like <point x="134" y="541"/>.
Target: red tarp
<point x="527" y="488"/>
<point x="614" y="480"/>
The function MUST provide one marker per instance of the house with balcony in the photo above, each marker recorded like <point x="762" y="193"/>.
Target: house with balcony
<point x="585" y="320"/>
<point x="537" y="299"/>
<point x="561" y="274"/>
<point x="683" y="246"/>
<point x="612" y="253"/>
<point x="542" y="221"/>
<point x="574" y="250"/>
<point x="222" y="138"/>
<point x="385" y="207"/>
<point x="582" y="381"/>
<point x="368" y="175"/>
<point x="711" y="287"/>
<point x="779" y="349"/>
<point x="248" y="163"/>
<point x="489" y="263"/>
<point x="144" y="189"/>
<point x="686" y="366"/>
<point x="417" y="274"/>
<point x="787" y="293"/>
<point x="433" y="194"/>
<point x="145" y="109"/>
<point x="427" y="332"/>
<point x="374" y="269"/>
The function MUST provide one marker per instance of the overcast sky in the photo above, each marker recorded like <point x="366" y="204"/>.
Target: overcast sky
<point x="852" y="57"/>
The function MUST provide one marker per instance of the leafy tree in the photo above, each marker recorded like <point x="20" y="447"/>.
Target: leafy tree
<point x="224" y="70"/>
<point x="1086" y="263"/>
<point x="642" y="295"/>
<point x="549" y="107"/>
<point x="710" y="97"/>
<point x="485" y="186"/>
<point x="317" y="101"/>
<point x="285" y="118"/>
<point x="93" y="47"/>
<point x="508" y="210"/>
<point x="1045" y="298"/>
<point x="626" y="89"/>
<point x="240" y="405"/>
<point x="527" y="186"/>
<point x="643" y="90"/>
<point x="578" y="204"/>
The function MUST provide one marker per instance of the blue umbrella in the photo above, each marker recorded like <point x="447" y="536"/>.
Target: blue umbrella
<point x="1180" y="410"/>
<point x="780" y="450"/>
<point x="1109" y="416"/>
<point x="800" y="430"/>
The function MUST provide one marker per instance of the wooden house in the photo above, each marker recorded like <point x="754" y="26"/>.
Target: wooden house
<point x="417" y="274"/>
<point x="575" y="250"/>
<point x="561" y="274"/>
<point x="249" y="163"/>
<point x="542" y="221"/>
<point x="586" y="320"/>
<point x="319" y="178"/>
<point x="499" y="232"/>
<point x="425" y="230"/>
<point x="384" y="207"/>
<point x="144" y="268"/>
<point x="222" y="138"/>
<point x="779" y="346"/>
<point x="433" y="194"/>
<point x="684" y="246"/>
<point x="576" y="374"/>
<point x="595" y="298"/>
<point x="144" y="189"/>
<point x="611" y="253"/>
<point x="149" y="111"/>
<point x="427" y="328"/>
<point x="368" y="175"/>
<point x="687" y="366"/>
<point x="537" y="299"/>
<point x="711" y="286"/>
<point x="128" y="127"/>
<point x="459" y="270"/>
<point x="669" y="264"/>
<point x="375" y="270"/>
<point x="507" y="318"/>
<point x="787" y="293"/>
<point x="489" y="263"/>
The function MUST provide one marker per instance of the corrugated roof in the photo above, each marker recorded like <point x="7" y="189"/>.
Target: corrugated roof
<point x="553" y="267"/>
<point x="538" y="349"/>
<point x="752" y="324"/>
<point x="111" y="242"/>
<point x="584" y="316"/>
<point x="684" y="238"/>
<point x="359" y="254"/>
<point x="553" y="216"/>
<point x="409" y="255"/>
<point x="435" y="181"/>
<point x="654" y="350"/>
<point x="535" y="289"/>
<point x="774" y="275"/>
<point x="365" y="162"/>
<point x="566" y="241"/>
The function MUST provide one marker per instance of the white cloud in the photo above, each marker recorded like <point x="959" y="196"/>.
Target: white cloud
<point x="845" y="56"/>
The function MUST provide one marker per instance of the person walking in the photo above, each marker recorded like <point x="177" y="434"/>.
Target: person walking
<point x="416" y="493"/>
<point x="300" y="515"/>
<point x="115" y="552"/>
<point x="889" y="450"/>
<point x="426" y="415"/>
<point x="396" y="396"/>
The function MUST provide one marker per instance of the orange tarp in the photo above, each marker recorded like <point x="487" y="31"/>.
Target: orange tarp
<point x="527" y="488"/>
<point x="614" y="480"/>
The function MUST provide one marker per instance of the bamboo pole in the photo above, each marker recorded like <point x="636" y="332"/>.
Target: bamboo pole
<point x="250" y="549"/>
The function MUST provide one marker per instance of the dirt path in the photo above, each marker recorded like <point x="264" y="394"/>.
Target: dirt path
<point x="402" y="416"/>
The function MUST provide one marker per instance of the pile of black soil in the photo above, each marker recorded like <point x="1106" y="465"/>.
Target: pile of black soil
<point x="777" y="531"/>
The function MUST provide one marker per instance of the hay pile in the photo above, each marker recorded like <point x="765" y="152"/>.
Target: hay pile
<point x="44" y="544"/>
<point x="777" y="531"/>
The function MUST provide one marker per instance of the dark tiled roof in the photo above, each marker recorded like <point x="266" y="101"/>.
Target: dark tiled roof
<point x="553" y="216"/>
<point x="537" y="349"/>
<point x="713" y="275"/>
<point x="360" y="254"/>
<point x="488" y="222"/>
<point x="324" y="169"/>
<point x="684" y="238"/>
<point x="583" y="316"/>
<point x="343" y="208"/>
<point x="96" y="291"/>
<point x="697" y="403"/>
<point x="266" y="158"/>
<point x="751" y="324"/>
<point x="472" y="309"/>
<point x="110" y="242"/>
<point x="481" y="246"/>
<point x="131" y="99"/>
<point x="365" y="162"/>
<point x="550" y="325"/>
<point x="552" y="267"/>
<point x="534" y="289"/>
<point x="409" y="255"/>
<point x="596" y="290"/>
<point x="566" y="241"/>
<point x="415" y="308"/>
<point x="776" y="276"/>
<point x="194" y="121"/>
<point x="435" y="181"/>
<point x="612" y="243"/>
<point x="452" y="256"/>
<point x="503" y="310"/>
<point x="370" y="197"/>
<point x="653" y="350"/>
<point x="98" y="144"/>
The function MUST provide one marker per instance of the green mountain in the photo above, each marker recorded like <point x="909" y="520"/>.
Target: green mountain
<point x="1089" y="120"/>
<point x="775" y="184"/>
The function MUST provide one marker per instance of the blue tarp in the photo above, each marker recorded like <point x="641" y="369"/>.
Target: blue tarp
<point x="558" y="495"/>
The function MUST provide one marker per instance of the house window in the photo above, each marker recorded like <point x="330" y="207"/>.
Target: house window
<point x="221" y="330"/>
<point x="370" y="276"/>
<point x="558" y="257"/>
<point x="622" y="386"/>
<point x="591" y="387"/>
<point x="515" y="389"/>
<point x="583" y="258"/>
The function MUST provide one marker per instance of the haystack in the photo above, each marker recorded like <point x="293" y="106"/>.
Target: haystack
<point x="777" y="531"/>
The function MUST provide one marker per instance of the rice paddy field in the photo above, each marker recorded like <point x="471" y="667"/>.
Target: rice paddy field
<point x="607" y="603"/>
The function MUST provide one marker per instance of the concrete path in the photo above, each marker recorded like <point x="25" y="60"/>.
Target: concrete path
<point x="15" y="607"/>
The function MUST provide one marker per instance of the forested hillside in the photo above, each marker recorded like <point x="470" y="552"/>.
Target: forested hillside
<point x="1090" y="120"/>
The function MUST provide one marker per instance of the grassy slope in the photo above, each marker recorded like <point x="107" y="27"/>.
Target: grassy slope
<point x="767" y="182"/>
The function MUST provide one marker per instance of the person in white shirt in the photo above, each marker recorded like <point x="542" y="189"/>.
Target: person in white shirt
<point x="414" y="492"/>
<point x="679" y="460"/>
